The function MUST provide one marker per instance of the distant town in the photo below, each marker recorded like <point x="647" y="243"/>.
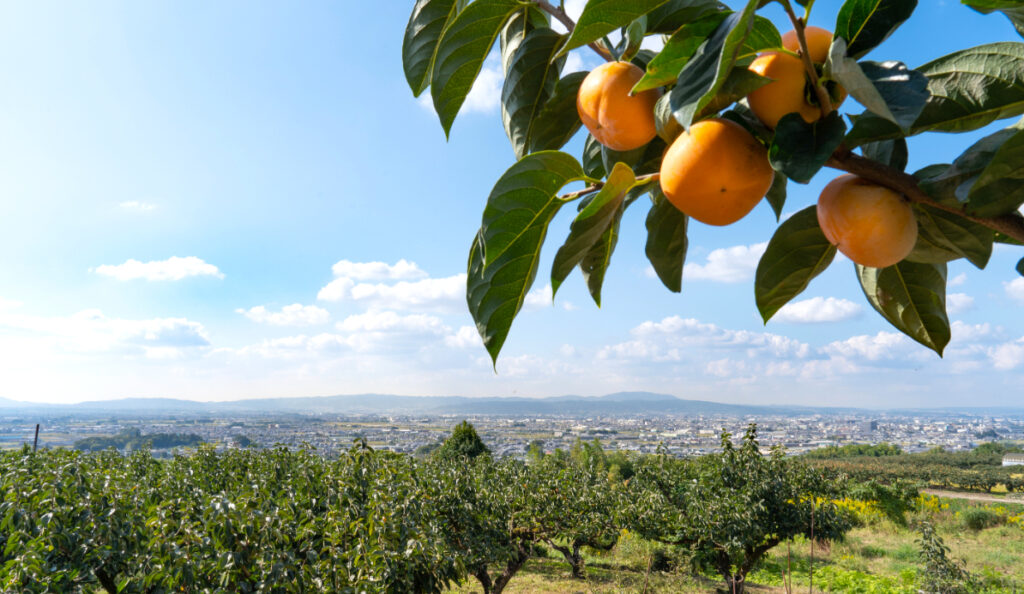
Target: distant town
<point x="507" y="434"/>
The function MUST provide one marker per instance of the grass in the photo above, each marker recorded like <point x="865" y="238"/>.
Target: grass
<point x="879" y="557"/>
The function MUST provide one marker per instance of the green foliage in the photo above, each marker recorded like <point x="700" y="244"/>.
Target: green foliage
<point x="912" y="297"/>
<point x="979" y="519"/>
<point x="799" y="149"/>
<point x="464" y="443"/>
<point x="853" y="450"/>
<point x="941" y="573"/>
<point x="133" y="439"/>
<point x="797" y="253"/>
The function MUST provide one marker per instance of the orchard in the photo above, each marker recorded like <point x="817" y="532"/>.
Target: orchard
<point x="728" y="113"/>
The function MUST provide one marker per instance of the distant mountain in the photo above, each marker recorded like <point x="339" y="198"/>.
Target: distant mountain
<point x="616" y="404"/>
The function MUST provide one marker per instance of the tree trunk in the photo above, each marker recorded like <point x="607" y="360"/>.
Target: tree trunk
<point x="511" y="567"/>
<point x="106" y="580"/>
<point x="736" y="583"/>
<point x="573" y="556"/>
<point x="484" y="578"/>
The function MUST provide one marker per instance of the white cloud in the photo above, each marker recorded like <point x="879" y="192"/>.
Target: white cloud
<point x="442" y="294"/>
<point x="401" y="270"/>
<point x="538" y="298"/>
<point x="881" y="346"/>
<point x="677" y="339"/>
<point x="958" y="303"/>
<point x="171" y="269"/>
<point x="727" y="265"/>
<point x="465" y="337"/>
<point x="818" y="309"/>
<point x="957" y="280"/>
<point x="90" y="331"/>
<point x="137" y="206"/>
<point x="389" y="321"/>
<point x="336" y="290"/>
<point x="1015" y="289"/>
<point x="1007" y="355"/>
<point x="295" y="314"/>
<point x="9" y="304"/>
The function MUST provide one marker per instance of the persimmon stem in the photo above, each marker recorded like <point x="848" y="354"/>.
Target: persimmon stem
<point x="1011" y="225"/>
<point x="824" y="101"/>
<point x="559" y="13"/>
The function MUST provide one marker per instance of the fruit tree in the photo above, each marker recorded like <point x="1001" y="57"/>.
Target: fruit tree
<point x="728" y="112"/>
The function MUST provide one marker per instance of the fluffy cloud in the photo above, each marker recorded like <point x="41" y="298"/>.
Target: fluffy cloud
<point x="818" y="309"/>
<point x="171" y="269"/>
<point x="485" y="96"/>
<point x="465" y="337"/>
<point x="90" y="331"/>
<point x="727" y="265"/>
<point x="1015" y="289"/>
<point x="1008" y="355"/>
<point x="401" y="270"/>
<point x="295" y="314"/>
<point x="136" y="206"/>
<point x="881" y="346"/>
<point x="957" y="280"/>
<point x="958" y="303"/>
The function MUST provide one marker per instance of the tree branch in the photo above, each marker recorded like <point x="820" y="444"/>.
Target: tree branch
<point x="559" y="13"/>
<point x="824" y="101"/>
<point x="1011" y="225"/>
<point x="640" y="180"/>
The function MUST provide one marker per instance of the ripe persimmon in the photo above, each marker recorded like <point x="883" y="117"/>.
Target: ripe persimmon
<point x="716" y="172"/>
<point x="614" y="117"/>
<point x="871" y="224"/>
<point x="787" y="93"/>
<point x="818" y="42"/>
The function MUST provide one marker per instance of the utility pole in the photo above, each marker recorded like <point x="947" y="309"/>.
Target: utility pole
<point x="35" y="443"/>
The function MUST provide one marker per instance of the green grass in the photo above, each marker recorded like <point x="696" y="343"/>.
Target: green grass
<point x="881" y="557"/>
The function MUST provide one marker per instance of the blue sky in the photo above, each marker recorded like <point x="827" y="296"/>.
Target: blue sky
<point x="237" y="199"/>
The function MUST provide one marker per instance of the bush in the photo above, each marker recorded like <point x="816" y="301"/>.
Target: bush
<point x="978" y="518"/>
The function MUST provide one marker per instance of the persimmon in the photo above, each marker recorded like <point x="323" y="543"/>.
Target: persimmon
<point x="787" y="93"/>
<point x="818" y="42"/>
<point x="716" y="172"/>
<point x="615" y="118"/>
<point x="871" y="224"/>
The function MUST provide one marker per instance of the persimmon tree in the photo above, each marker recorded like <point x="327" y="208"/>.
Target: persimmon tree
<point x="705" y="71"/>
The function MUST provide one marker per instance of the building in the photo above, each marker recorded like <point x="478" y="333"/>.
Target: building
<point x="1013" y="460"/>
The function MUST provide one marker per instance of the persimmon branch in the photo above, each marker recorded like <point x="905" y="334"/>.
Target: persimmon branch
<point x="640" y="180"/>
<point x="559" y="13"/>
<point x="824" y="101"/>
<point x="1011" y="225"/>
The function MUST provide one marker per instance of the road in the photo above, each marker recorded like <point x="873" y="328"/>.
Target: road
<point x="971" y="496"/>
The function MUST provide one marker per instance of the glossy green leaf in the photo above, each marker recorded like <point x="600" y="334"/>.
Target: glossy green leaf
<point x="666" y="241"/>
<point x="672" y="15"/>
<point x="529" y="83"/>
<point x="1020" y="267"/>
<point x="776" y="195"/>
<point x="559" y="120"/>
<point x="504" y="257"/>
<point x="611" y="156"/>
<point x="796" y="253"/>
<point x="664" y="68"/>
<point x="664" y="122"/>
<point x="1013" y="9"/>
<point x="707" y="70"/>
<point x="800" y="150"/>
<point x="912" y="297"/>
<point x="422" y="34"/>
<point x="999" y="189"/>
<point x="522" y="21"/>
<point x="953" y="184"/>
<point x="593" y="161"/>
<point x="889" y="152"/>
<point x="943" y="236"/>
<point x="601" y="17"/>
<point x="889" y="89"/>
<point x="595" y="262"/>
<point x="969" y="89"/>
<point x="864" y="24"/>
<point x="464" y="45"/>
<point x="591" y="223"/>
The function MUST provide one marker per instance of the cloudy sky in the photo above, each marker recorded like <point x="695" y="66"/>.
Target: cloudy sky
<point x="219" y="200"/>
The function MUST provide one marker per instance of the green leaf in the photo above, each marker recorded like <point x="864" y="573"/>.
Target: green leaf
<point x="559" y="119"/>
<point x="912" y="297"/>
<point x="611" y="156"/>
<point x="1020" y="267"/>
<point x="422" y="34"/>
<point x="952" y="185"/>
<point x="889" y="89"/>
<point x="707" y="70"/>
<point x="999" y="189"/>
<point x="741" y="82"/>
<point x="595" y="262"/>
<point x="522" y="21"/>
<point x="601" y="17"/>
<point x="888" y="152"/>
<point x="504" y="257"/>
<point x="591" y="223"/>
<point x="672" y="15"/>
<point x="1013" y="9"/>
<point x="666" y="241"/>
<point x="664" y="68"/>
<point x="664" y="122"/>
<point x="464" y="45"/>
<point x="943" y="236"/>
<point x="776" y="195"/>
<point x="529" y="83"/>
<point x="800" y="149"/>
<point x="593" y="158"/>
<point x="796" y="253"/>
<point x="864" y="24"/>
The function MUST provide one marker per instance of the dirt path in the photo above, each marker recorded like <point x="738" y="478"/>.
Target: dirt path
<point x="970" y="496"/>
